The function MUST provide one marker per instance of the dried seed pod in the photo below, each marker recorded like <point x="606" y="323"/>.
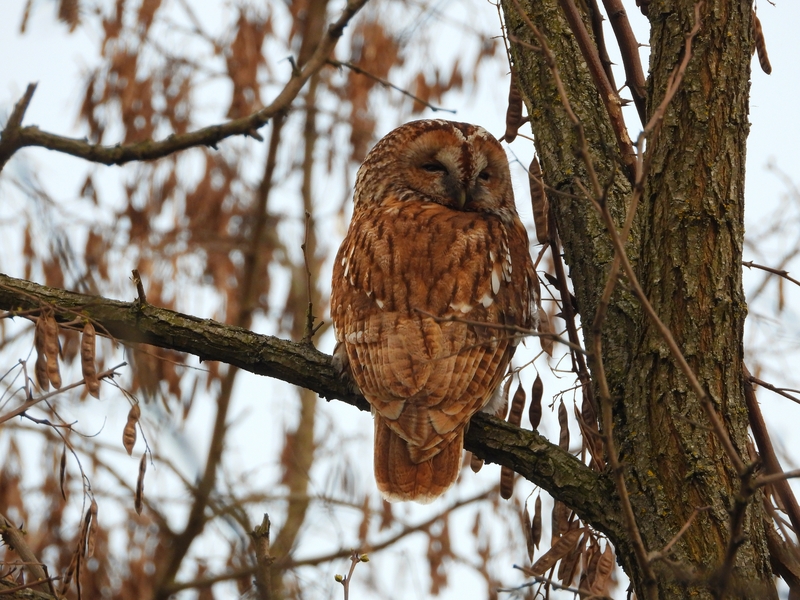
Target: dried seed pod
<point x="62" y="472"/>
<point x="563" y="437"/>
<point x="475" y="463"/>
<point x="557" y="551"/>
<point x="88" y="360"/>
<point x="91" y="518"/>
<point x="514" y="110"/>
<point x="536" y="524"/>
<point x="761" y="45"/>
<point x="41" y="357"/>
<point x="517" y="406"/>
<point x="546" y="342"/>
<point x="560" y="521"/>
<point x="129" y="433"/>
<point x="535" y="409"/>
<point x="569" y="564"/>
<point x="51" y="350"/>
<point x="605" y="566"/>
<point x="506" y="482"/>
<point x="591" y="440"/>
<point x="137" y="502"/>
<point x="527" y="529"/>
<point x="539" y="202"/>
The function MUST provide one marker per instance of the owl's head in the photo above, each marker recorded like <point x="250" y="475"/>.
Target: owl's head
<point x="457" y="165"/>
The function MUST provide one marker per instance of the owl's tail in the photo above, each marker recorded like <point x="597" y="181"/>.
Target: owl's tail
<point x="401" y="479"/>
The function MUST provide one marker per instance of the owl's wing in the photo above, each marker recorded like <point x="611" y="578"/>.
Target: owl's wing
<point x="412" y="282"/>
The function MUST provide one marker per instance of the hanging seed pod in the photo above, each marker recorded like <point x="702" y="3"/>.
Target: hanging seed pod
<point x="129" y="433"/>
<point x="557" y="551"/>
<point x="40" y="368"/>
<point x="51" y="349"/>
<point x="138" y="498"/>
<point x="563" y="438"/>
<point x="546" y="342"/>
<point x="535" y="409"/>
<point x="536" y="524"/>
<point x="605" y="566"/>
<point x="539" y="202"/>
<point x="475" y="463"/>
<point x="514" y="110"/>
<point x="527" y="529"/>
<point x="517" y="406"/>
<point x="88" y="360"/>
<point x="91" y="516"/>
<point x="62" y="472"/>
<point x="761" y="45"/>
<point x="506" y="482"/>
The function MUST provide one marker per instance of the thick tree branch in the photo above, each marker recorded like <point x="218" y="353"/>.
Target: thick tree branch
<point x="590" y="494"/>
<point x="12" y="138"/>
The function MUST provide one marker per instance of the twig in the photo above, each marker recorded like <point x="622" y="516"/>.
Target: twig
<point x="10" y="133"/>
<point x="780" y="272"/>
<point x="16" y="540"/>
<point x="554" y="584"/>
<point x="355" y="558"/>
<point x="14" y="139"/>
<point x="33" y="401"/>
<point x="387" y="84"/>
<point x="780" y="391"/>
<point x="629" y="49"/>
<point x="264" y="560"/>
<point x="767" y="451"/>
<point x="137" y="281"/>
<point x="664" y="552"/>
<point x="608" y="95"/>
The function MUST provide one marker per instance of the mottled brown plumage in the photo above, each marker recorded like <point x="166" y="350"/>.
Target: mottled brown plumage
<point x="434" y="240"/>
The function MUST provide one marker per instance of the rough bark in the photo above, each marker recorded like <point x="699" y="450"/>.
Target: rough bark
<point x="686" y="249"/>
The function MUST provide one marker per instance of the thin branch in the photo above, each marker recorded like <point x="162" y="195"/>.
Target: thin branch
<point x="780" y="272"/>
<point x="608" y="95"/>
<point x="388" y="84"/>
<point x="15" y="539"/>
<point x="13" y="137"/>
<point x="780" y="391"/>
<point x="629" y="49"/>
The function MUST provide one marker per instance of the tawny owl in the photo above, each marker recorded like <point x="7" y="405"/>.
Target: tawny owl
<point x="435" y="248"/>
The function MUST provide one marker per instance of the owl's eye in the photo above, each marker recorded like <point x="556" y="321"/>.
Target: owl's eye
<point x="484" y="175"/>
<point x="434" y="167"/>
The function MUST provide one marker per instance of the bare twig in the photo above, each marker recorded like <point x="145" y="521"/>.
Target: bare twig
<point x="12" y="536"/>
<point x="387" y="84"/>
<point x="264" y="560"/>
<point x="355" y="558"/>
<point x="664" y="552"/>
<point x="629" y="49"/>
<point x="780" y="272"/>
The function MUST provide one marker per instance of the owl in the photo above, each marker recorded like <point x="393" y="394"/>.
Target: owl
<point x="434" y="267"/>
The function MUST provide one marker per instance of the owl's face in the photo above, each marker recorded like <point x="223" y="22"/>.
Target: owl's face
<point x="457" y="165"/>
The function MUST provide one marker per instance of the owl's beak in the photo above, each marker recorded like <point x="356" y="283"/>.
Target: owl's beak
<point x="462" y="198"/>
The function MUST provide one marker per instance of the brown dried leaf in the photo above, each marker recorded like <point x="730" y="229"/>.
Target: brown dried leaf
<point x="517" y="406"/>
<point x="761" y="45"/>
<point x="506" y="482"/>
<point x="129" y="433"/>
<point x="558" y="550"/>
<point x="536" y="523"/>
<point x="137" y="502"/>
<point x="51" y="350"/>
<point x="475" y="463"/>
<point x="68" y="13"/>
<point x="563" y="437"/>
<point x="539" y="202"/>
<point x="535" y="409"/>
<point x="87" y="360"/>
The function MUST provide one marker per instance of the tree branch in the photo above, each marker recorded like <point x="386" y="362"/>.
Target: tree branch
<point x="590" y="494"/>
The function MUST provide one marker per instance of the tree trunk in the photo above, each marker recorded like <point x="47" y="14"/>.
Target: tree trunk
<point x="686" y="248"/>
